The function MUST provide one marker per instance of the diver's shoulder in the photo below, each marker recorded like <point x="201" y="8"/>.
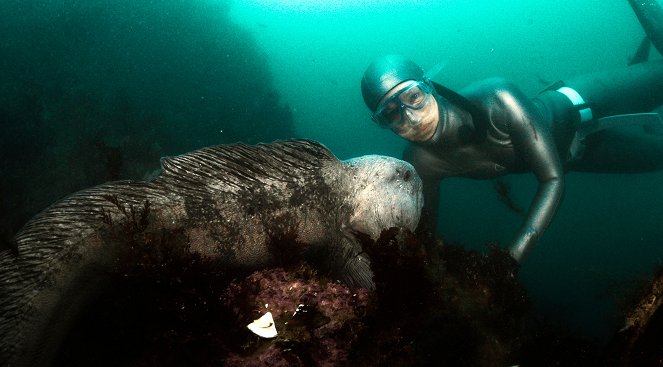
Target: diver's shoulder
<point x="495" y="92"/>
<point x="489" y="86"/>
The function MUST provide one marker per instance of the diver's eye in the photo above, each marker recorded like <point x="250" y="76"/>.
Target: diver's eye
<point x="414" y="97"/>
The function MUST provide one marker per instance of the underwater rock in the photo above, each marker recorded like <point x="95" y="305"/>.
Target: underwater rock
<point x="317" y="320"/>
<point x="170" y="307"/>
<point x="639" y="341"/>
<point x="237" y="206"/>
<point x="452" y="307"/>
<point x="449" y="306"/>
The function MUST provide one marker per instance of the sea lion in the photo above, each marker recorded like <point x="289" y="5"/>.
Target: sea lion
<point x="227" y="203"/>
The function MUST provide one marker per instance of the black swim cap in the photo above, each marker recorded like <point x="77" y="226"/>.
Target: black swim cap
<point x="383" y="74"/>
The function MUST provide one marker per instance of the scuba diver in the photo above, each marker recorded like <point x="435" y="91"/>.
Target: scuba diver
<point x="592" y="123"/>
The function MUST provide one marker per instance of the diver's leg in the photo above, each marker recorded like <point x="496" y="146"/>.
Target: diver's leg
<point x="632" y="89"/>
<point x="631" y="147"/>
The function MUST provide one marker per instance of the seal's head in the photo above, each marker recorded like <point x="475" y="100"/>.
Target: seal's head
<point x="387" y="193"/>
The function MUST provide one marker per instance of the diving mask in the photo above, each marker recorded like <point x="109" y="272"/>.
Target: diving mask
<point x="404" y="105"/>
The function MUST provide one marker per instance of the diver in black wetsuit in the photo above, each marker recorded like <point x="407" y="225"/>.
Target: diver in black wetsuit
<point x="490" y="129"/>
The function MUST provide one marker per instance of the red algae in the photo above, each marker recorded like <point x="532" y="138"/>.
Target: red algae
<point x="317" y="320"/>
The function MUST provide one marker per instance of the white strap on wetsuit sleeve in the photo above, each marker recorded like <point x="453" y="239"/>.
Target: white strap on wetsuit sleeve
<point x="576" y="99"/>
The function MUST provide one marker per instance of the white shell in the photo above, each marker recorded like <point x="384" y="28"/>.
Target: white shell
<point x="264" y="326"/>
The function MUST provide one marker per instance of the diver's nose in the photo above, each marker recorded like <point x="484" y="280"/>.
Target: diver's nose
<point x="412" y="117"/>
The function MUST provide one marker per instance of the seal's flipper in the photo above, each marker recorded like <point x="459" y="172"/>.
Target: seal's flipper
<point x="650" y="15"/>
<point x="357" y="272"/>
<point x="642" y="54"/>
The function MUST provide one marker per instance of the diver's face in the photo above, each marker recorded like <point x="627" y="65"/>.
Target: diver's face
<point x="410" y="110"/>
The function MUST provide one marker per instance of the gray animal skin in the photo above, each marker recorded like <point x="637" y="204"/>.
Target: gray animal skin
<point x="229" y="203"/>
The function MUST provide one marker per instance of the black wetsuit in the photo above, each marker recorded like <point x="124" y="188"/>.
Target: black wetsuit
<point x="507" y="132"/>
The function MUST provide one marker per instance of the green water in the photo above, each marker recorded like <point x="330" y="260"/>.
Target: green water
<point x="608" y="231"/>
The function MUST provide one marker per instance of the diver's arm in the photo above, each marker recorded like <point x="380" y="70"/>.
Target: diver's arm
<point x="533" y="142"/>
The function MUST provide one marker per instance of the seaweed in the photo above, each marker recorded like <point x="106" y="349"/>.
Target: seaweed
<point x="135" y="218"/>
<point x="503" y="190"/>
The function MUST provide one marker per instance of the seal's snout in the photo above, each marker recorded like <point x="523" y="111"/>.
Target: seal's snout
<point x="404" y="173"/>
<point x="407" y="175"/>
<point x="388" y="194"/>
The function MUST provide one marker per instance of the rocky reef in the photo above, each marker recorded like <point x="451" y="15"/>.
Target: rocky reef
<point x="162" y="305"/>
<point x="171" y="308"/>
<point x="638" y="342"/>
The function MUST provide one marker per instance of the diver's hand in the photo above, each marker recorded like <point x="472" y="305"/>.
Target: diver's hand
<point x="525" y="241"/>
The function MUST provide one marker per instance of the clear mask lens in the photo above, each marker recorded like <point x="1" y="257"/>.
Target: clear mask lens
<point x="403" y="106"/>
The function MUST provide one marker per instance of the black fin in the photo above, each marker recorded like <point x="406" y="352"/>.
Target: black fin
<point x="616" y="121"/>
<point x="642" y="54"/>
<point x="650" y="15"/>
<point x="553" y="86"/>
